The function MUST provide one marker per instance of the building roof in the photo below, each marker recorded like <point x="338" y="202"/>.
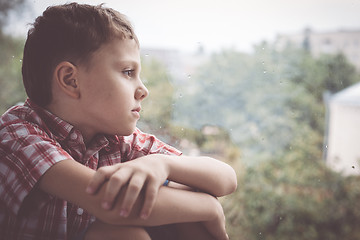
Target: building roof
<point x="348" y="96"/>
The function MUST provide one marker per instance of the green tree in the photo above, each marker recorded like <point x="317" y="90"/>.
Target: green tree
<point x="243" y="94"/>
<point x="157" y="107"/>
<point x="294" y="199"/>
<point x="11" y="87"/>
<point x="267" y="100"/>
<point x="309" y="78"/>
<point x="6" y="6"/>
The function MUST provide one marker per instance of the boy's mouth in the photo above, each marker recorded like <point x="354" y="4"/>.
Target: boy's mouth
<point x="136" y="112"/>
<point x="138" y="109"/>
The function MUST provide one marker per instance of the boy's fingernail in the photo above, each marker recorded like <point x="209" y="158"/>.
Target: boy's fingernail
<point x="123" y="213"/>
<point x="106" y="205"/>
<point x="144" y="216"/>
<point x="89" y="190"/>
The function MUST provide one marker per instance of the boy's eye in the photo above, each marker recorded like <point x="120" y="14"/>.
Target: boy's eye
<point x="129" y="73"/>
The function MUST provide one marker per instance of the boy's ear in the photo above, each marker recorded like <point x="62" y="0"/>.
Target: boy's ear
<point x="66" y="77"/>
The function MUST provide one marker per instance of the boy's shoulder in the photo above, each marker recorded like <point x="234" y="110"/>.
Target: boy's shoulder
<point x="15" y="117"/>
<point x="23" y="124"/>
<point x="19" y="115"/>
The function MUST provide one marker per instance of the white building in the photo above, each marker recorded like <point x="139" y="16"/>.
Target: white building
<point x="332" y="42"/>
<point x="343" y="148"/>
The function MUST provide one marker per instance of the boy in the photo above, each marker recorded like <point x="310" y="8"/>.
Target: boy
<point x="65" y="154"/>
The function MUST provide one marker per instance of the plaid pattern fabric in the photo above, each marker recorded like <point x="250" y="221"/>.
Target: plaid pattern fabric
<point x="33" y="140"/>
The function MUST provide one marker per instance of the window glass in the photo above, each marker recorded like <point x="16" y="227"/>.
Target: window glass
<point x="270" y="87"/>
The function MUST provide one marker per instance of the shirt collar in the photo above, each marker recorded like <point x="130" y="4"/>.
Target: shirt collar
<point x="63" y="131"/>
<point x="59" y="128"/>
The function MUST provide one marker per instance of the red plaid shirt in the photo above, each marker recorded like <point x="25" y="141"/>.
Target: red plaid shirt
<point x="33" y="140"/>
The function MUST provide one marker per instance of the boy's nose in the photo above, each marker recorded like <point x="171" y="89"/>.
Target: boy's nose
<point x="141" y="93"/>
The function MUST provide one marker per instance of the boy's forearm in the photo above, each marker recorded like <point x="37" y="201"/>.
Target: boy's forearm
<point x="68" y="180"/>
<point x="204" y="173"/>
<point x="172" y="206"/>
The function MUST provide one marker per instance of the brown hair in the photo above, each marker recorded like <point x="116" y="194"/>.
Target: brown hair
<point x="69" y="32"/>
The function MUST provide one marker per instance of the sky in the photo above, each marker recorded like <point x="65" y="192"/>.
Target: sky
<point x="217" y="24"/>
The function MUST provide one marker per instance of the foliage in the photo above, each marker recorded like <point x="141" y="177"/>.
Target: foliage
<point x="6" y="6"/>
<point x="11" y="86"/>
<point x="269" y="100"/>
<point x="157" y="107"/>
<point x="294" y="199"/>
<point x="270" y="103"/>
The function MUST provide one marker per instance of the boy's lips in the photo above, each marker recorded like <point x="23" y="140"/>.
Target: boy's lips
<point x="138" y="109"/>
<point x="136" y="112"/>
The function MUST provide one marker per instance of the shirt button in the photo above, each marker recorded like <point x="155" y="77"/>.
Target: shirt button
<point x="73" y="136"/>
<point x="80" y="211"/>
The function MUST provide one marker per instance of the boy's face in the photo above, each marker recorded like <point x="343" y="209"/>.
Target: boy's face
<point x="111" y="89"/>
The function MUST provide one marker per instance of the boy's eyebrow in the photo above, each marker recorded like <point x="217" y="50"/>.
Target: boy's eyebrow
<point x="127" y="62"/>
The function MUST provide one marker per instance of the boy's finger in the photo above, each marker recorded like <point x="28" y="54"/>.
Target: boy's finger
<point x="132" y="192"/>
<point x="100" y="176"/>
<point x="150" y="199"/>
<point x="116" y="182"/>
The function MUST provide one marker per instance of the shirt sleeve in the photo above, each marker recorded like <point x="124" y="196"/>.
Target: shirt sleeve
<point x="140" y="144"/>
<point x="26" y="153"/>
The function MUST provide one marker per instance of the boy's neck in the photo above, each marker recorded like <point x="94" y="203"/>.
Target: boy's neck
<point x="73" y="115"/>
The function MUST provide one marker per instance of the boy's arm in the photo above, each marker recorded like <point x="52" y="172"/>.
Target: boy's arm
<point x="147" y="173"/>
<point x="68" y="180"/>
<point x="203" y="173"/>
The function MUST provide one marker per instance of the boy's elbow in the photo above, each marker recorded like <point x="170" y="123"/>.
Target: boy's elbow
<point x="229" y="184"/>
<point x="233" y="183"/>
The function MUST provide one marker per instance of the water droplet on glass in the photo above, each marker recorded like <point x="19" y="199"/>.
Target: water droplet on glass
<point x="146" y="55"/>
<point x="160" y="127"/>
<point x="264" y="72"/>
<point x="180" y="95"/>
<point x="20" y="60"/>
<point x="189" y="76"/>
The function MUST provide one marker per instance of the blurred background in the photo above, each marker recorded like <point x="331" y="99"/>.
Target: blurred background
<point x="270" y="87"/>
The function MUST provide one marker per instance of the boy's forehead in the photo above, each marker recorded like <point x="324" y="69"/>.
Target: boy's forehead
<point x="125" y="50"/>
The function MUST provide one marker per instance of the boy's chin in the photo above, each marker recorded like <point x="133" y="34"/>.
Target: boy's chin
<point x="125" y="132"/>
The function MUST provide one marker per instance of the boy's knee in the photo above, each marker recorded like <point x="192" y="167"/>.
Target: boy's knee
<point x="138" y="233"/>
<point x="164" y="232"/>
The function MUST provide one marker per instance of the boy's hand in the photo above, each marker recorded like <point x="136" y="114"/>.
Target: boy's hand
<point x="147" y="173"/>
